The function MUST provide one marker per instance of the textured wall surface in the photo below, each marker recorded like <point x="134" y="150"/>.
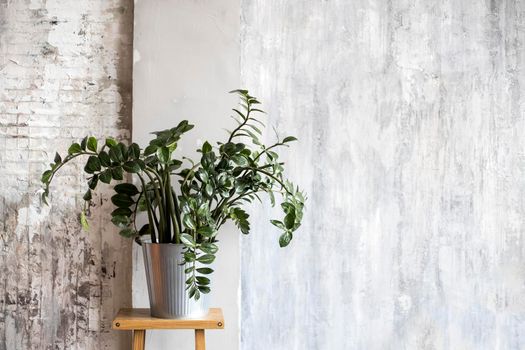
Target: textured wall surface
<point x="65" y="71"/>
<point x="411" y="120"/>
<point x="186" y="55"/>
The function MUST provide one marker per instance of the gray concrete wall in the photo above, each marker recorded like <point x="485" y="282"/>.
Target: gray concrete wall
<point x="411" y="122"/>
<point x="65" y="71"/>
<point x="186" y="60"/>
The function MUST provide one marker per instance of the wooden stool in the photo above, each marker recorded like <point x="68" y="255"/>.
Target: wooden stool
<point x="139" y="320"/>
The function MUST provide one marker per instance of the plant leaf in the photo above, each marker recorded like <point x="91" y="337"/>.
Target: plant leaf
<point x="58" y="159"/>
<point x="83" y="221"/>
<point x="126" y="188"/>
<point x="105" y="176"/>
<point x="92" y="144"/>
<point x="131" y="167"/>
<point x="117" y="173"/>
<point x="187" y="240"/>
<point x="128" y="233"/>
<point x="289" y="139"/>
<point x="46" y="176"/>
<point x="285" y="239"/>
<point x="188" y="221"/>
<point x="92" y="165"/>
<point x="206" y="259"/>
<point x="122" y="200"/>
<point x="74" y="148"/>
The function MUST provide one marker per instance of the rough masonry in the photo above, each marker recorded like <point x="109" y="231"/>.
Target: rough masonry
<point x="65" y="71"/>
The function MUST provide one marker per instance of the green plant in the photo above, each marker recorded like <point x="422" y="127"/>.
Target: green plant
<point x="210" y="192"/>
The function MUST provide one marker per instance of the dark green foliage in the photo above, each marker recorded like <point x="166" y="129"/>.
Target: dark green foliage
<point x="212" y="191"/>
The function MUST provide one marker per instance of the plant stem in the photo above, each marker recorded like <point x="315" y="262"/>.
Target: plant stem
<point x="172" y="211"/>
<point x="152" y="223"/>
<point x="162" y="226"/>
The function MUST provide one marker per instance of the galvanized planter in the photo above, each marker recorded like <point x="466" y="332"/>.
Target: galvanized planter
<point x="166" y="279"/>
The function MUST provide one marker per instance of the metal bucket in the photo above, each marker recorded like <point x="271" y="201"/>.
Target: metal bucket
<point x="166" y="278"/>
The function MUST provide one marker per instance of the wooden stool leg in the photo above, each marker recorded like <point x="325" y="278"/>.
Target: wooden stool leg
<point x="139" y="339"/>
<point x="200" y="340"/>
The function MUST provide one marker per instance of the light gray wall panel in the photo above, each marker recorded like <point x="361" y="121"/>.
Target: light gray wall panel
<point x="411" y="122"/>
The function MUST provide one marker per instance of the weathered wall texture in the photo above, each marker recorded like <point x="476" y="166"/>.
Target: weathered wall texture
<point x="411" y="120"/>
<point x="65" y="71"/>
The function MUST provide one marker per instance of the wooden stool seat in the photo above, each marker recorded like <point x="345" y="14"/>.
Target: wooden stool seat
<point x="140" y="320"/>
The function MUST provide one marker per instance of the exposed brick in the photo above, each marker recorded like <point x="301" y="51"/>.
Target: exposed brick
<point x="65" y="72"/>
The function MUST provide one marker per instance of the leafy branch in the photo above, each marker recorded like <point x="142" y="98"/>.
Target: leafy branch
<point x="211" y="191"/>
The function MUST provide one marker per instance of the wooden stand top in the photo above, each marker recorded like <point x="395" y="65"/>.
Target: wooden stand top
<point x="130" y="319"/>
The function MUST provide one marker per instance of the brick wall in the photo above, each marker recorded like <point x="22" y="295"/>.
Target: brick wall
<point x="65" y="71"/>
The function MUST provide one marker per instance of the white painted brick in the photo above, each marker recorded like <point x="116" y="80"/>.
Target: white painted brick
<point x="55" y="59"/>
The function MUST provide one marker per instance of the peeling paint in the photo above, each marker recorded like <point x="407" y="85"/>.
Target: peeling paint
<point x="65" y="73"/>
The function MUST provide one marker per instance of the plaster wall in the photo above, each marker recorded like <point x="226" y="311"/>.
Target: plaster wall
<point x="65" y="72"/>
<point x="186" y="57"/>
<point x="411" y="122"/>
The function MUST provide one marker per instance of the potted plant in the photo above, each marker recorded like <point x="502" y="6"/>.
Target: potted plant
<point x="179" y="236"/>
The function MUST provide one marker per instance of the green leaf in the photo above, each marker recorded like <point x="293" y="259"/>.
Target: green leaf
<point x="74" y="148"/>
<point x="189" y="256"/>
<point x="209" y="189"/>
<point x="83" y="221"/>
<point x="117" y="173"/>
<point x="131" y="167"/>
<point x="115" y="154"/>
<point x="126" y="188"/>
<point x="203" y="280"/>
<point x="128" y="233"/>
<point x="46" y="176"/>
<point x="206" y="231"/>
<point x="121" y="221"/>
<point x="289" y="220"/>
<point x="144" y="230"/>
<point x="285" y="239"/>
<point x="134" y="151"/>
<point x="122" y="200"/>
<point x="83" y="143"/>
<point x="93" y="182"/>
<point x="206" y="147"/>
<point x="58" y="159"/>
<point x="240" y="217"/>
<point x="121" y="212"/>
<point x="123" y="150"/>
<point x="103" y="156"/>
<point x="240" y="160"/>
<point x="204" y="289"/>
<point x="87" y="196"/>
<point x="209" y="248"/>
<point x="92" y="144"/>
<point x="188" y="222"/>
<point x="92" y="165"/>
<point x="239" y="91"/>
<point x="278" y="224"/>
<point x="289" y="139"/>
<point x="110" y="142"/>
<point x="105" y="176"/>
<point x="150" y="150"/>
<point x="206" y="259"/>
<point x="163" y="153"/>
<point x="187" y="240"/>
<point x="205" y="270"/>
